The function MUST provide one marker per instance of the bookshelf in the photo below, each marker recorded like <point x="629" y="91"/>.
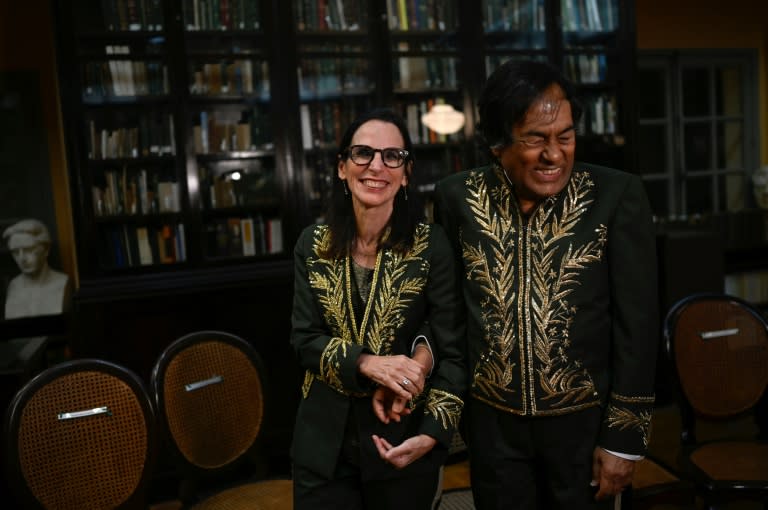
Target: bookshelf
<point x="593" y="42"/>
<point x="336" y="79"/>
<point x="203" y="133"/>
<point x="423" y="43"/>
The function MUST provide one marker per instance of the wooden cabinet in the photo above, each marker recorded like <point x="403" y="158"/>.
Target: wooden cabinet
<point x="203" y="134"/>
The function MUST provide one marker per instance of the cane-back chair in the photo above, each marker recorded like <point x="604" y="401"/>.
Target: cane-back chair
<point x="209" y="391"/>
<point x="718" y="345"/>
<point x="81" y="435"/>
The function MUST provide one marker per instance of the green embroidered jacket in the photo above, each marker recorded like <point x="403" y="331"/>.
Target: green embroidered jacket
<point x="329" y="332"/>
<point x="562" y="305"/>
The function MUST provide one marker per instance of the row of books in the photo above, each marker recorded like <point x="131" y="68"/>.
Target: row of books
<point x="600" y="116"/>
<point x="323" y="124"/>
<point x="589" y="15"/>
<point x="222" y="15"/>
<point x="143" y="245"/>
<point x="751" y="286"/>
<point x="151" y="134"/>
<point x="243" y="236"/>
<point x="586" y="68"/>
<point x="332" y="77"/>
<point x="132" y="15"/>
<point x="514" y="15"/>
<point x="231" y="77"/>
<point x="424" y="73"/>
<point x="407" y="15"/>
<point x="133" y="192"/>
<point x="321" y="15"/>
<point x="224" y="131"/>
<point x="124" y="78"/>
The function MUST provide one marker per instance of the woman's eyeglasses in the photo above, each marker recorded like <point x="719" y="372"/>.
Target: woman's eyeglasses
<point x="392" y="157"/>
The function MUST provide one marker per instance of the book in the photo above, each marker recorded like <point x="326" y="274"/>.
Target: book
<point x="235" y="237"/>
<point x="306" y="127"/>
<point x="274" y="235"/>
<point x="145" y="249"/>
<point x="181" y="243"/>
<point x="166" y="245"/>
<point x="248" y="240"/>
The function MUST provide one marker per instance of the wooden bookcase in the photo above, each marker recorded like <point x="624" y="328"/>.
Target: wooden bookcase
<point x="209" y="128"/>
<point x="202" y="134"/>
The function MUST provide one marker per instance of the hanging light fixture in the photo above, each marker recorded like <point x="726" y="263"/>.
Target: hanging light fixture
<point x="443" y="119"/>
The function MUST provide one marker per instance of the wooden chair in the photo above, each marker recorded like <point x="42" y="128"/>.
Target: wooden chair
<point x="81" y="435"/>
<point x="718" y="345"/>
<point x="209" y="392"/>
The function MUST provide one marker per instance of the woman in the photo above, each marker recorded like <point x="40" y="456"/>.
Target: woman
<point x="373" y="426"/>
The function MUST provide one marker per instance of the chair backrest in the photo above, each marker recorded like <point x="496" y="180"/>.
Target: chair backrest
<point x="81" y="435"/>
<point x="209" y="394"/>
<point x="718" y="345"/>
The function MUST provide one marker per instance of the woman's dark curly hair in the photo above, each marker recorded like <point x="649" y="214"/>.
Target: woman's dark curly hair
<point x="340" y="216"/>
<point x="511" y="90"/>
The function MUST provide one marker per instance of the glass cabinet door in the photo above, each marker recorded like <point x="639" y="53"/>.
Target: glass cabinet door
<point x="335" y="83"/>
<point x="131" y="182"/>
<point x="514" y="29"/>
<point x="591" y="59"/>
<point x="232" y="148"/>
<point x="427" y="79"/>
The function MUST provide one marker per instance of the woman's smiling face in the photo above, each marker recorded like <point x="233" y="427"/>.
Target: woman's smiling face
<point x="374" y="184"/>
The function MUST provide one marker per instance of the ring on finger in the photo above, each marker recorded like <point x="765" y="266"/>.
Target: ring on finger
<point x="405" y="382"/>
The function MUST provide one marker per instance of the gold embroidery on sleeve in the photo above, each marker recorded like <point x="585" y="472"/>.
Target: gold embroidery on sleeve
<point x="624" y="418"/>
<point x="445" y="407"/>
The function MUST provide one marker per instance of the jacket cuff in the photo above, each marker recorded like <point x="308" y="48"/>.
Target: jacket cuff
<point x="627" y="424"/>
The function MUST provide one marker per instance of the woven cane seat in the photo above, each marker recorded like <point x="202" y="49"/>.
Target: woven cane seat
<point x="264" y="495"/>
<point x="81" y="436"/>
<point x="231" y="404"/>
<point x="718" y="346"/>
<point x="722" y="357"/>
<point x="210" y="396"/>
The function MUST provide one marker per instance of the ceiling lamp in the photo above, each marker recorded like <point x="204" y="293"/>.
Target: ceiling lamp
<point x="443" y="119"/>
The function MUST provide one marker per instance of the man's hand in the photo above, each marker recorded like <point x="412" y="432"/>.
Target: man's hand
<point x="389" y="406"/>
<point x="408" y="451"/>
<point x="612" y="473"/>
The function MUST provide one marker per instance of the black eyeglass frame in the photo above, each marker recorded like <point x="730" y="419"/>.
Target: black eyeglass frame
<point x="402" y="153"/>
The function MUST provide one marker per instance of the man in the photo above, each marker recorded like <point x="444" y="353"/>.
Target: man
<point x="559" y="282"/>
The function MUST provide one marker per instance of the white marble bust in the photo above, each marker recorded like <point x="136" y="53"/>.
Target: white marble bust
<point x="38" y="289"/>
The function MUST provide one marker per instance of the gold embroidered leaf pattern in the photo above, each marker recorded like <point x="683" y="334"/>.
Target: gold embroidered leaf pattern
<point x="445" y="407"/>
<point x="624" y="418"/>
<point x="326" y="277"/>
<point x="330" y="363"/>
<point x="496" y="372"/>
<point x="396" y="292"/>
<point x="553" y="275"/>
<point x="562" y="380"/>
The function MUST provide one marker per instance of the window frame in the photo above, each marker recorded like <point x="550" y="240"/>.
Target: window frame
<point x="677" y="174"/>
